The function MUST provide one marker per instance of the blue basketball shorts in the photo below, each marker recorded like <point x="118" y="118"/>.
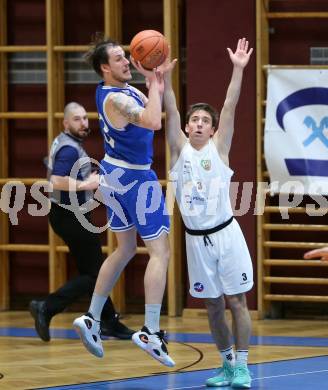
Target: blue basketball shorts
<point x="133" y="198"/>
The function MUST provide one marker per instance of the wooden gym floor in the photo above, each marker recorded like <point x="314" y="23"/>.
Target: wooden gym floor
<point x="284" y="354"/>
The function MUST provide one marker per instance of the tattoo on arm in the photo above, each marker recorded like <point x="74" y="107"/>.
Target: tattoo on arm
<point x="127" y="107"/>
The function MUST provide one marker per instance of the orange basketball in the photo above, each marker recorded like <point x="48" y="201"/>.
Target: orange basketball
<point x="150" y="47"/>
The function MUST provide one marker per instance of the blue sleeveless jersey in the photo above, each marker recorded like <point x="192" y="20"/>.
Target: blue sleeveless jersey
<point x="131" y="143"/>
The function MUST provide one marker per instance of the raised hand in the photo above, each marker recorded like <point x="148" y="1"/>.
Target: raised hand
<point x="147" y="73"/>
<point x="151" y="76"/>
<point x="322" y="253"/>
<point x="168" y="65"/>
<point x="241" y="56"/>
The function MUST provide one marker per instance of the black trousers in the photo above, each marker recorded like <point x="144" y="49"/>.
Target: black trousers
<point x="85" y="247"/>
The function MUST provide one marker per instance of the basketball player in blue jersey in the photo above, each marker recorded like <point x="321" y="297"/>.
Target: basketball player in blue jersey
<point x="219" y="264"/>
<point x="131" y="191"/>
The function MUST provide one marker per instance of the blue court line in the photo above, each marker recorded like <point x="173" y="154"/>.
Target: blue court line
<point x="180" y="337"/>
<point x="30" y="332"/>
<point x="305" y="374"/>
<point x="255" y="340"/>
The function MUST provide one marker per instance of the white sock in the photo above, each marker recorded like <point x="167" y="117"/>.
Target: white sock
<point x="96" y="305"/>
<point x="152" y="315"/>
<point x="242" y="356"/>
<point x="228" y="356"/>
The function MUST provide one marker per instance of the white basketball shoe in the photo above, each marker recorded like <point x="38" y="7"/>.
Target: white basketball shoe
<point x="154" y="345"/>
<point x="89" y="331"/>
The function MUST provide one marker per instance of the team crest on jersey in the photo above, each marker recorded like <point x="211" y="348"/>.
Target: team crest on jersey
<point x="206" y="164"/>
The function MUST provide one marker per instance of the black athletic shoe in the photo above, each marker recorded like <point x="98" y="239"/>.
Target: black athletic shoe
<point x="115" y="328"/>
<point x="41" y="319"/>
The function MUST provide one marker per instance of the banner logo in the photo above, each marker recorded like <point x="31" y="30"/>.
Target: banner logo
<point x="296" y="128"/>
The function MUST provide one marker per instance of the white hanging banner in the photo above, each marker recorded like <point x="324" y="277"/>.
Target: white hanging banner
<point x="296" y="131"/>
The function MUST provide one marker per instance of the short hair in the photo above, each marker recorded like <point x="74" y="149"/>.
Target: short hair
<point x="71" y="106"/>
<point x="206" y="107"/>
<point x="97" y="54"/>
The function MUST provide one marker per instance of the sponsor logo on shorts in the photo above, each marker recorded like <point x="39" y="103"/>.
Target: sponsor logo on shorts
<point x="199" y="287"/>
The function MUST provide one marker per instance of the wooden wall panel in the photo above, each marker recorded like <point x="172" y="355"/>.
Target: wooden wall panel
<point x="26" y="22"/>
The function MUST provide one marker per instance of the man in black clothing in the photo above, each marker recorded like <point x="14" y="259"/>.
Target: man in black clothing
<point x="85" y="246"/>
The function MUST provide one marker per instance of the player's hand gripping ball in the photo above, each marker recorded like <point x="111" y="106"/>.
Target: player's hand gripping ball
<point x="150" y="47"/>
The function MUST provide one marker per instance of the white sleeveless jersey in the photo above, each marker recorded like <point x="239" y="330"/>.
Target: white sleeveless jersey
<point x="201" y="182"/>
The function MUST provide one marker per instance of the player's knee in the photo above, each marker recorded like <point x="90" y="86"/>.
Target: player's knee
<point x="237" y="302"/>
<point x="161" y="257"/>
<point x="127" y="250"/>
<point x="166" y="253"/>
<point x="163" y="250"/>
<point x="215" y="305"/>
<point x="131" y="251"/>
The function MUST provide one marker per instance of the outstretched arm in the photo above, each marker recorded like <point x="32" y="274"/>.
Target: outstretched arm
<point x="174" y="135"/>
<point x="223" y="137"/>
<point x="322" y="252"/>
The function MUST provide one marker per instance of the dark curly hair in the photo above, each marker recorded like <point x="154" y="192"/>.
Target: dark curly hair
<point x="97" y="54"/>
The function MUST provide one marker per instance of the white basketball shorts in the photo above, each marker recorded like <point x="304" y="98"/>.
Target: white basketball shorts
<point x="223" y="266"/>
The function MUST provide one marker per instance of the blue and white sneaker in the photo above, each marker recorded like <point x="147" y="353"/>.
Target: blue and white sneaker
<point x="154" y="345"/>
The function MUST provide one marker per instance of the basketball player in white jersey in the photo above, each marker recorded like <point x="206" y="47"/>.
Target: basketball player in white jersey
<point x="219" y="264"/>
